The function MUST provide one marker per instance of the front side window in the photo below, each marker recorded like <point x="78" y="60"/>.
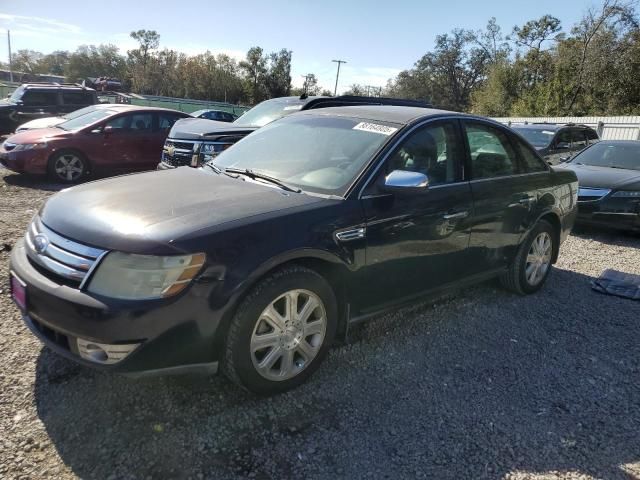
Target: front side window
<point x="563" y="140"/>
<point x="135" y="122"/>
<point x="316" y="153"/>
<point x="491" y="152"/>
<point x="592" y="136"/>
<point x="433" y="150"/>
<point x="39" y="98"/>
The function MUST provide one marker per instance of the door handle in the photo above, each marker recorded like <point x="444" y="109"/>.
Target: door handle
<point x="528" y="200"/>
<point x="457" y="215"/>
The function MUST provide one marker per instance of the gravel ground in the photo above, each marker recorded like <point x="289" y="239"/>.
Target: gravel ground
<point x="483" y="384"/>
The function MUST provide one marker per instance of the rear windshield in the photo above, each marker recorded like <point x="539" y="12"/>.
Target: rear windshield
<point x="538" y="137"/>
<point x="613" y="155"/>
<point x="86" y="119"/>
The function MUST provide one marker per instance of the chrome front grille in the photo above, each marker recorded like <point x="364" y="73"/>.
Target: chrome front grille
<point x="179" y="153"/>
<point x="56" y="254"/>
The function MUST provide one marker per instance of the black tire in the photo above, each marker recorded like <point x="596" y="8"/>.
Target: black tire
<point x="80" y="162"/>
<point x="515" y="279"/>
<point x="237" y="361"/>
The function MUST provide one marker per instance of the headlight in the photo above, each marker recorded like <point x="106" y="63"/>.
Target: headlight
<point x="627" y="194"/>
<point x="29" y="146"/>
<point x="140" y="277"/>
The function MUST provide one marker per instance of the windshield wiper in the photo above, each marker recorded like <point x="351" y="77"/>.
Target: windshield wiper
<point x="218" y="170"/>
<point x="253" y="174"/>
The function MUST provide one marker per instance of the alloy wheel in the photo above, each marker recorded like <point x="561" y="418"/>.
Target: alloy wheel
<point x="539" y="258"/>
<point x="68" y="167"/>
<point x="288" y="335"/>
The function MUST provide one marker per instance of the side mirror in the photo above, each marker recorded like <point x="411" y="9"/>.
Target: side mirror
<point x="403" y="181"/>
<point x="564" y="159"/>
<point x="562" y="146"/>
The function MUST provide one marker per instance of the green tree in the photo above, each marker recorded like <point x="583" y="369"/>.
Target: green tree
<point x="255" y="69"/>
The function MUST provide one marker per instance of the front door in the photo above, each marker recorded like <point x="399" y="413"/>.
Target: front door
<point x="418" y="241"/>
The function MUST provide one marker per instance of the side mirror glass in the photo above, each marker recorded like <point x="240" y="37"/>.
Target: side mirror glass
<point x="404" y="181"/>
<point x="564" y="159"/>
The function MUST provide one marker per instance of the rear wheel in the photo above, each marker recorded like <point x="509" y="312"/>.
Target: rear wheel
<point x="68" y="167"/>
<point x="533" y="262"/>
<point x="281" y="331"/>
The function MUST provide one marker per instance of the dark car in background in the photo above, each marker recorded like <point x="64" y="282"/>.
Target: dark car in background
<point x="193" y="142"/>
<point x="557" y="143"/>
<point x="106" y="140"/>
<point x="609" y="177"/>
<point x="218" y="115"/>
<point x="258" y="261"/>
<point x="32" y="101"/>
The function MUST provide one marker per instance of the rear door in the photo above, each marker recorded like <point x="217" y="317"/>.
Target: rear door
<point x="504" y="195"/>
<point x="73" y="100"/>
<point x="417" y="242"/>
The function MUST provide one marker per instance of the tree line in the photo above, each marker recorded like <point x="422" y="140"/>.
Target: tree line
<point x="148" y="69"/>
<point x="537" y="68"/>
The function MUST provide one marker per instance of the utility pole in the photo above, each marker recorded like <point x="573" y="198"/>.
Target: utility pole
<point x="9" y="44"/>
<point x="335" y="90"/>
<point x="305" y="85"/>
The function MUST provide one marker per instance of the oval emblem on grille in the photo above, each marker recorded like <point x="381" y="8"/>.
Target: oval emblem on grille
<point x="40" y="242"/>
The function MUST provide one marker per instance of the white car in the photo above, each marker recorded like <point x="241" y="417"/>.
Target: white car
<point x="52" y="121"/>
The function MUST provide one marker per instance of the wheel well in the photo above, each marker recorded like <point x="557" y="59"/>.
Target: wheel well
<point x="333" y="273"/>
<point x="553" y="219"/>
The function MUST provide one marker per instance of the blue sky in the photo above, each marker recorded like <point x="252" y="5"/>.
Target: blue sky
<point x="377" y="39"/>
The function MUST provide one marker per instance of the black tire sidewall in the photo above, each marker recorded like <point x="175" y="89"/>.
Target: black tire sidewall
<point x="51" y="166"/>
<point x="248" y="314"/>
<point x="541" y="226"/>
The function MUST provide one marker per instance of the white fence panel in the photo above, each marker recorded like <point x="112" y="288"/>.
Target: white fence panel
<point x="609" y="128"/>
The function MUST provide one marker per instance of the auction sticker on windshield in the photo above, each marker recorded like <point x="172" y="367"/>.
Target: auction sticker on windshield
<point x="375" y="128"/>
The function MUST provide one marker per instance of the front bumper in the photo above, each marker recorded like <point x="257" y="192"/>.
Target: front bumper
<point x="25" y="161"/>
<point x="174" y="335"/>
<point x="610" y="212"/>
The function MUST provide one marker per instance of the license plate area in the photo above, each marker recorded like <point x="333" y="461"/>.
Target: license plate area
<point x="18" y="292"/>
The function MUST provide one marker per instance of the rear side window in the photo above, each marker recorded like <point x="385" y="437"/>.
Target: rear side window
<point x="166" y="120"/>
<point x="532" y="163"/>
<point x="39" y="98"/>
<point x="77" y="98"/>
<point x="491" y="152"/>
<point x="592" y="136"/>
<point x="578" y="139"/>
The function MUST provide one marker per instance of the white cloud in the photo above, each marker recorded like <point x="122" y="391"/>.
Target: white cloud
<point x="37" y="26"/>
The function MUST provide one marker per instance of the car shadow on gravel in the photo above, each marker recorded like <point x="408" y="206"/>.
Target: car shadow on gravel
<point x="32" y="182"/>
<point x="478" y="385"/>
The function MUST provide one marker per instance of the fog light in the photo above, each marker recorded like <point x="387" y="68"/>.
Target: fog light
<point x="104" y="353"/>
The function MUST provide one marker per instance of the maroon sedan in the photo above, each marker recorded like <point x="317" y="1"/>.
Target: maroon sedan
<point x="116" y="139"/>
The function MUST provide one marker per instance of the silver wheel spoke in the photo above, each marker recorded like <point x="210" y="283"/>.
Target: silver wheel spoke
<point x="258" y="342"/>
<point x="288" y="335"/>
<point x="308" y="309"/>
<point x="539" y="258"/>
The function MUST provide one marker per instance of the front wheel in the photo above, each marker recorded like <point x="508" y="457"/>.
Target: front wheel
<point x="281" y="331"/>
<point x="68" y="167"/>
<point x="533" y="262"/>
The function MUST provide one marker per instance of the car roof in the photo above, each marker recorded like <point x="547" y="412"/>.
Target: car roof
<point x="633" y="143"/>
<point x="382" y="113"/>
<point x="538" y="126"/>
<point x="120" y="106"/>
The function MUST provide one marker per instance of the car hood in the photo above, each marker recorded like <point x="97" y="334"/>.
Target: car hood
<point x="37" y="135"/>
<point x="151" y="212"/>
<point x="198" y="128"/>
<point x="605" y="177"/>
<point x="41" y="123"/>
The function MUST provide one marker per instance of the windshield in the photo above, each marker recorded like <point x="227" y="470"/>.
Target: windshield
<point x="267" y="112"/>
<point x="16" y="95"/>
<point x="197" y="113"/>
<point x="319" y="154"/>
<point x="538" y="137"/>
<point x="86" y="119"/>
<point x="79" y="113"/>
<point x="615" y="155"/>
